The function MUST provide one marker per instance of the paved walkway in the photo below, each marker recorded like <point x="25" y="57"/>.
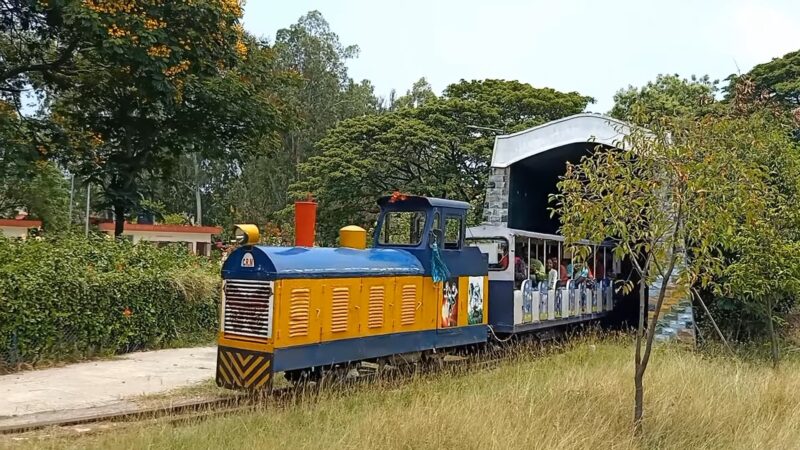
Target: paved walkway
<point x="103" y="383"/>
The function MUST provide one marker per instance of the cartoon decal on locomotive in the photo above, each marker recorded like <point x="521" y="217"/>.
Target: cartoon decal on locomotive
<point x="475" y="300"/>
<point x="419" y="291"/>
<point x="450" y="304"/>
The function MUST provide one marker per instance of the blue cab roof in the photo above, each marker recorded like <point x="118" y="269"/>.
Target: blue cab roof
<point x="319" y="262"/>
<point x="417" y="201"/>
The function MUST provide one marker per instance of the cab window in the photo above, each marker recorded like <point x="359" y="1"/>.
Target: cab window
<point x="452" y="232"/>
<point x="403" y="228"/>
<point x="495" y="248"/>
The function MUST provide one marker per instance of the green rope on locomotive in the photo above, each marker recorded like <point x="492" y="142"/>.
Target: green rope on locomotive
<point x="439" y="270"/>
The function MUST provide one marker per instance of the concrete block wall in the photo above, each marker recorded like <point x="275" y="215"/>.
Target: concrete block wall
<point x="495" y="210"/>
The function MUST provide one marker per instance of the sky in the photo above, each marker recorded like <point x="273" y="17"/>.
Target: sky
<point x="592" y="47"/>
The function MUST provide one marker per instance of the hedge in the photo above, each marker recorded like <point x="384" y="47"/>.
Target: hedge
<point x="69" y="298"/>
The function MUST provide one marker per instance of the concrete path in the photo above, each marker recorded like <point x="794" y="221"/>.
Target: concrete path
<point x="104" y="383"/>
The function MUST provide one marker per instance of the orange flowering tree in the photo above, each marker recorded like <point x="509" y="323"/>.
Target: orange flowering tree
<point x="131" y="85"/>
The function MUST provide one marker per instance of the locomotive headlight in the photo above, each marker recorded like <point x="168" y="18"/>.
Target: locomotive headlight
<point x="246" y="234"/>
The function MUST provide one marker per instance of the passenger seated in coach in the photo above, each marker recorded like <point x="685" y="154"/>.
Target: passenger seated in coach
<point x="584" y="275"/>
<point x="552" y="273"/>
<point x="600" y="271"/>
<point x="565" y="272"/>
<point x="520" y="269"/>
<point x="538" y="273"/>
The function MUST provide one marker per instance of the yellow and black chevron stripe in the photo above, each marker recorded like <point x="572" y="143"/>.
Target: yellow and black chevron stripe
<point x="243" y="369"/>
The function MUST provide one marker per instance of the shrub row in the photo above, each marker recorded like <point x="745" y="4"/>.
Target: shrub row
<point x="69" y="298"/>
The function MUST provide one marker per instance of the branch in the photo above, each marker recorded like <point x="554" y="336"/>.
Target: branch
<point x="713" y="322"/>
<point x="53" y="65"/>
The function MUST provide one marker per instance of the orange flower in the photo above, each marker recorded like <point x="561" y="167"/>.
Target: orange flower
<point x="160" y="51"/>
<point x="398" y="196"/>
<point x="127" y="312"/>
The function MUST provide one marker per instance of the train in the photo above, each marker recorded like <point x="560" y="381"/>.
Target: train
<point x="427" y="286"/>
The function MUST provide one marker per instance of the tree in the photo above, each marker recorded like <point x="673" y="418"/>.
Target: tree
<point x="366" y="157"/>
<point x="763" y="270"/>
<point x="314" y="93"/>
<point x="37" y="44"/>
<point x="250" y="160"/>
<point x="669" y="197"/>
<point x="27" y="179"/>
<point x="437" y="148"/>
<point x="667" y="96"/>
<point x="779" y="79"/>
<point x="420" y="93"/>
<point x="164" y="83"/>
<point x="326" y="93"/>
<point x="518" y="105"/>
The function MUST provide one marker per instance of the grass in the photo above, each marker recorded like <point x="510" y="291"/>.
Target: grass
<point x="580" y="397"/>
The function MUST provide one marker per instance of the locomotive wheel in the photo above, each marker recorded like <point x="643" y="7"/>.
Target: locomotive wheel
<point x="303" y="376"/>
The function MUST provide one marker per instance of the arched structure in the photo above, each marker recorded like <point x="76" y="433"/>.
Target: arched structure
<point x="527" y="165"/>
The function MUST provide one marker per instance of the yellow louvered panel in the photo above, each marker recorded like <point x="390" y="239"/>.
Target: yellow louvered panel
<point x="340" y="304"/>
<point x="375" y="309"/>
<point x="298" y="312"/>
<point x="408" y="305"/>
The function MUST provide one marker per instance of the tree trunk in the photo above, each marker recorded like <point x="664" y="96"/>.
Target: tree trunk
<point x="197" y="198"/>
<point x="638" y="403"/>
<point x="776" y="352"/>
<point x="119" y="219"/>
<point x="638" y="409"/>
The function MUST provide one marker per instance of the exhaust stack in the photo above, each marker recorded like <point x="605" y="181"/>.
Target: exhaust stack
<point x="305" y="220"/>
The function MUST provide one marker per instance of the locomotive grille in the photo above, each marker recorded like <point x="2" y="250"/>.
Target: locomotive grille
<point x="248" y="308"/>
<point x="339" y="309"/>
<point x="375" y="310"/>
<point x="299" y="316"/>
<point x="408" y="307"/>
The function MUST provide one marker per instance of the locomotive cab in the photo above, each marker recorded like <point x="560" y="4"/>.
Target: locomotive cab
<point x="423" y="226"/>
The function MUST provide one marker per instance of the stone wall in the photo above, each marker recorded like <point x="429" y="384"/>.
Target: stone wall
<point x="495" y="210"/>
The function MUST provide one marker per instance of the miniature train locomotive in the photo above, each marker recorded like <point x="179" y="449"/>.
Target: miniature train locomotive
<point x="304" y="310"/>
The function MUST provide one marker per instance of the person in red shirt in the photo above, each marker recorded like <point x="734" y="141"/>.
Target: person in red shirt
<point x="600" y="271"/>
<point x="563" y="275"/>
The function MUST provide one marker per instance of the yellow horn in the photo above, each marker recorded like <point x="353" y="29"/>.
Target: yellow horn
<point x="247" y="234"/>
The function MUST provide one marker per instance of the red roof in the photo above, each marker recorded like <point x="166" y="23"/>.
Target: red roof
<point x="20" y="223"/>
<point x="109" y="226"/>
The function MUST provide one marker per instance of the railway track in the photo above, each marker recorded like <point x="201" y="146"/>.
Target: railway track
<point x="200" y="409"/>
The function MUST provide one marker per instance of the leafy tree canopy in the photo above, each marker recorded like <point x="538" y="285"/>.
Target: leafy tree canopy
<point x="667" y="96"/>
<point x="779" y="78"/>
<point x="27" y="180"/>
<point x="420" y="93"/>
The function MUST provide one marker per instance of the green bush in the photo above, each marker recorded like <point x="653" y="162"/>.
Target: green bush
<point x="67" y="298"/>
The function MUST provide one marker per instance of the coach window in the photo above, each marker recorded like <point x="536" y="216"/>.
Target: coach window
<point x="452" y="232"/>
<point x="495" y="248"/>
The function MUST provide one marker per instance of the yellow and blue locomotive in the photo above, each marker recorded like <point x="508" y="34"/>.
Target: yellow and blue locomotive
<point x="302" y="310"/>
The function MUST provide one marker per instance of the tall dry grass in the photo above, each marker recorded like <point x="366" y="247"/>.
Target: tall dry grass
<point x="577" y="398"/>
